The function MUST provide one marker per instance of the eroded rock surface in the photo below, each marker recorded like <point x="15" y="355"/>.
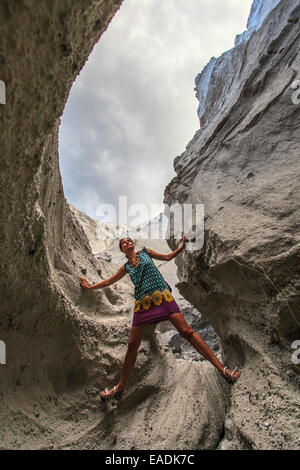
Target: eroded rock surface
<point x="65" y="344"/>
<point x="243" y="165"/>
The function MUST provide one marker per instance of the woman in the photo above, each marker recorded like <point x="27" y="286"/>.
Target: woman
<point x="153" y="303"/>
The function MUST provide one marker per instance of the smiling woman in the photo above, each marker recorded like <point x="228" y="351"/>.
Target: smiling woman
<point x="154" y="303"/>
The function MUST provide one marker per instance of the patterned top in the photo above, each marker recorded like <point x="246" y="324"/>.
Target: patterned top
<point x="145" y="276"/>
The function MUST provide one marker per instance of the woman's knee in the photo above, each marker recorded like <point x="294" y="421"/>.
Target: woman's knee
<point x="187" y="333"/>
<point x="133" y="345"/>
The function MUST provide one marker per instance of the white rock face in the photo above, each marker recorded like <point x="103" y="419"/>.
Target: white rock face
<point x="259" y="10"/>
<point x="64" y="344"/>
<point x="243" y="166"/>
<point x="100" y="236"/>
<point x="220" y="79"/>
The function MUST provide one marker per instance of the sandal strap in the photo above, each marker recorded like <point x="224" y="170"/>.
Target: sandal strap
<point x="235" y="369"/>
<point x="115" y="393"/>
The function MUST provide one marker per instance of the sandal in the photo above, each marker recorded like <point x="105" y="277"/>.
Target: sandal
<point x="230" y="377"/>
<point x="117" y="394"/>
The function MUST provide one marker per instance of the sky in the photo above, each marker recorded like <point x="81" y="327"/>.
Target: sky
<point x="132" y="109"/>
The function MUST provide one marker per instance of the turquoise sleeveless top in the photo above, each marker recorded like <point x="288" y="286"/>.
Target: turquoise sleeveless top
<point x="145" y="276"/>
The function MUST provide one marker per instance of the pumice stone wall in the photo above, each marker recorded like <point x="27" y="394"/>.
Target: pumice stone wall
<point x="62" y="343"/>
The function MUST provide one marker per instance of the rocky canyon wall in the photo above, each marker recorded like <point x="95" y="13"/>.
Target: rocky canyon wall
<point x="243" y="165"/>
<point x="64" y="345"/>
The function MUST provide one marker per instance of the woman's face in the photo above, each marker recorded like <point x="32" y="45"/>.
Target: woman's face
<point x="126" y="243"/>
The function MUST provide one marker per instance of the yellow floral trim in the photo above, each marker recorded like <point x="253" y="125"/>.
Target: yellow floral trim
<point x="156" y="297"/>
<point x="146" y="302"/>
<point x="167" y="295"/>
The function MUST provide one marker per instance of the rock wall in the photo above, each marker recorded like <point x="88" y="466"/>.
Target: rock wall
<point x="222" y="78"/>
<point x="259" y="11"/>
<point x="63" y="344"/>
<point x="243" y="165"/>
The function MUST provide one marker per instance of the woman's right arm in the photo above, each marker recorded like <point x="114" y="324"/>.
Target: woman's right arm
<point x="116" y="277"/>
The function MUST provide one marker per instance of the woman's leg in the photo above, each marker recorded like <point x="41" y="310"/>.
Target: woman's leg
<point x="134" y="342"/>
<point x="199" y="344"/>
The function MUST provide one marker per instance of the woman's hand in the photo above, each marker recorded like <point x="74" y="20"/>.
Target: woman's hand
<point x="84" y="283"/>
<point x="184" y="240"/>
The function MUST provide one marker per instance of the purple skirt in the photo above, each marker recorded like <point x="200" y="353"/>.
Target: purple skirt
<point x="155" y="314"/>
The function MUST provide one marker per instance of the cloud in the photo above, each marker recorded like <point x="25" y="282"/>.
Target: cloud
<point x="133" y="109"/>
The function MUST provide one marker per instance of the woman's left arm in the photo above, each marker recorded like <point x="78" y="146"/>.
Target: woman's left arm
<point x="169" y="256"/>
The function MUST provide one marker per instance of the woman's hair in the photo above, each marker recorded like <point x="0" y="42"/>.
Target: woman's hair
<point x="120" y="243"/>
